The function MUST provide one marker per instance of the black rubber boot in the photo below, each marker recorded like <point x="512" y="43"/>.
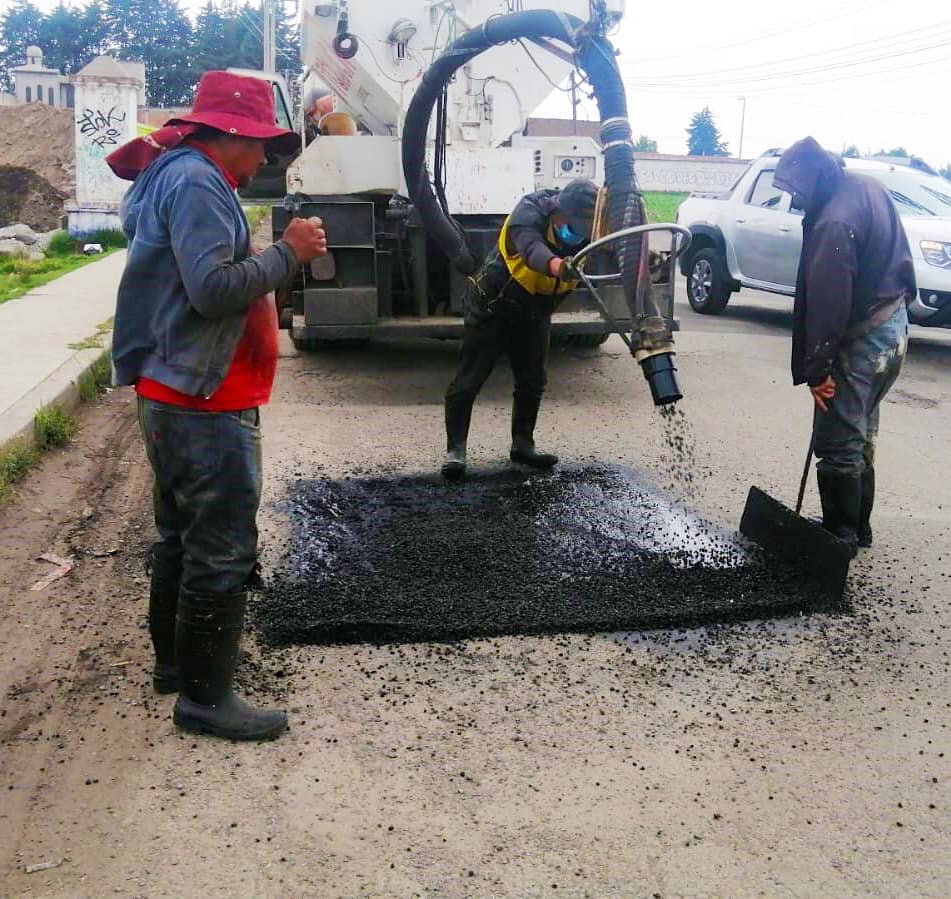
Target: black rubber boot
<point x="163" y="608"/>
<point x="841" y="495"/>
<point x="454" y="468"/>
<point x="868" y="501"/>
<point x="206" y="646"/>
<point x="458" y="416"/>
<point x="524" y="416"/>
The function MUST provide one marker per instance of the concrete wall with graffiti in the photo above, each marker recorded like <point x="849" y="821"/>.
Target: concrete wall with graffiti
<point x="105" y="119"/>
<point x="712" y="174"/>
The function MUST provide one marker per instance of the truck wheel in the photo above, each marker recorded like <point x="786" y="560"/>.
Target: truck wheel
<point x="588" y="341"/>
<point x="578" y="341"/>
<point x="707" y="289"/>
<point x="308" y="344"/>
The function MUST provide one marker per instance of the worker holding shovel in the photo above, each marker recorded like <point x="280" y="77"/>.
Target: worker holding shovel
<point x="850" y="324"/>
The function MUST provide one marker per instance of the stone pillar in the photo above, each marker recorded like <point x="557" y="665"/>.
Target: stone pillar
<point x="106" y="111"/>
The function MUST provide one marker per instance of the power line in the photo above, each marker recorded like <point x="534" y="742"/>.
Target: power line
<point x="670" y="90"/>
<point x="895" y="45"/>
<point x="756" y="38"/>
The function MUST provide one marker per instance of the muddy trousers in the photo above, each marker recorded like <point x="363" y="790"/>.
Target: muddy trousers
<point x="206" y="493"/>
<point x="844" y="437"/>
<point x="864" y="371"/>
<point x="525" y="341"/>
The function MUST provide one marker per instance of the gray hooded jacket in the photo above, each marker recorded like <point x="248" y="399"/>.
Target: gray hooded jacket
<point x="855" y="259"/>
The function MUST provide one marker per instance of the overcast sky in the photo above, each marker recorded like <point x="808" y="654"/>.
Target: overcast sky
<point x="874" y="73"/>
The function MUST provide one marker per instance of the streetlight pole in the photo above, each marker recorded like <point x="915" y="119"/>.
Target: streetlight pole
<point x="742" y="125"/>
<point x="269" y="28"/>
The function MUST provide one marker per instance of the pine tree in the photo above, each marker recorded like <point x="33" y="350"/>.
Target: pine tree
<point x="645" y="145"/>
<point x="851" y="152"/>
<point x="159" y="34"/>
<point x="703" y="136"/>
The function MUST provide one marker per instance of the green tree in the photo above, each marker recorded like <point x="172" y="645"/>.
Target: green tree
<point x="71" y="37"/>
<point x="851" y="152"/>
<point x="645" y="145"/>
<point x="703" y="136"/>
<point x="19" y="28"/>
<point x="158" y="33"/>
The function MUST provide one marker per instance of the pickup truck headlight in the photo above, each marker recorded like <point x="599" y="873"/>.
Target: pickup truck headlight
<point x="936" y="253"/>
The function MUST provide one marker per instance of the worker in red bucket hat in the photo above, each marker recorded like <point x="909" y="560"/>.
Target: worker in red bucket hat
<point x="196" y="334"/>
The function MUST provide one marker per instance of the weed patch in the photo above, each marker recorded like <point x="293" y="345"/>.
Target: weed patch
<point x="53" y="426"/>
<point x="16" y="459"/>
<point x="94" y="341"/>
<point x="95" y="379"/>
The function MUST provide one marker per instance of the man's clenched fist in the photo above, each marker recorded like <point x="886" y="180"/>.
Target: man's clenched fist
<point x="307" y="238"/>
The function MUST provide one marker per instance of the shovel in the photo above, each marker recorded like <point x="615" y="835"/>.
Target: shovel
<point x="802" y="543"/>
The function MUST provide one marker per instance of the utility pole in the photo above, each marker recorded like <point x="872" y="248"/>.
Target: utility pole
<point x="269" y="28"/>
<point x="742" y="126"/>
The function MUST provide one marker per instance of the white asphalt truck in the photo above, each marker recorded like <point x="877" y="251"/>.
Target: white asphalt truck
<point x="414" y="193"/>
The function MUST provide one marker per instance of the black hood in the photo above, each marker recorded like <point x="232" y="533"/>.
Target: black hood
<point x="809" y="171"/>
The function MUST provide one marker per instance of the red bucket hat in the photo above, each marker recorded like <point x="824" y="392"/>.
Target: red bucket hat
<point x="240" y="105"/>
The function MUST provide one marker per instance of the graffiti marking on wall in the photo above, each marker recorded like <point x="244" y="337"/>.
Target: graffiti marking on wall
<point x="101" y="127"/>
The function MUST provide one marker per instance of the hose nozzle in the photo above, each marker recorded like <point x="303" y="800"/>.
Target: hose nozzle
<point x="660" y="369"/>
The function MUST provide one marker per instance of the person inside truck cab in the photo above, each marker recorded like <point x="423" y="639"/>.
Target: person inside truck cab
<point x="850" y="323"/>
<point x="508" y="307"/>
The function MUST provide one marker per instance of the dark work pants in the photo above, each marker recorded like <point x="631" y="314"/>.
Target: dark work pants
<point x="864" y="371"/>
<point x="207" y="490"/>
<point x="524" y="339"/>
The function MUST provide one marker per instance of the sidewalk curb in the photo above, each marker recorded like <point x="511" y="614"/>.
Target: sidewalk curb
<point x="60" y="387"/>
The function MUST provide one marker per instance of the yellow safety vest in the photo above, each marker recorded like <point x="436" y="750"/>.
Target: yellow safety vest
<point x="532" y="281"/>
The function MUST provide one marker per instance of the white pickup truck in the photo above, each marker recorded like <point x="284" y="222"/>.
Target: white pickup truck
<point x="751" y="237"/>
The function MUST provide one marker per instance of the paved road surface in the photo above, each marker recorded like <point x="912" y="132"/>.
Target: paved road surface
<point x="804" y="757"/>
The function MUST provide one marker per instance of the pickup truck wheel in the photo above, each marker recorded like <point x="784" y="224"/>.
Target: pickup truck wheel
<point x="707" y="289"/>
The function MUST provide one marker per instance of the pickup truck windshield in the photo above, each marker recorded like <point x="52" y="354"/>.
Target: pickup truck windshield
<point x="915" y="193"/>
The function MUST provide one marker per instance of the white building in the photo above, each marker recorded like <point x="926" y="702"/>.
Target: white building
<point x="37" y="84"/>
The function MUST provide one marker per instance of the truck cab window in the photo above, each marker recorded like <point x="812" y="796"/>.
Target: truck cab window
<point x="764" y="194"/>
<point x="283" y="116"/>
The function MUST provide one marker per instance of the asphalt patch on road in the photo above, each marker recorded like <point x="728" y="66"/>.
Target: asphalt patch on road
<point x="582" y="549"/>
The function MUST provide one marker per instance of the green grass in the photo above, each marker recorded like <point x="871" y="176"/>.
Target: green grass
<point x="19" y="276"/>
<point x="95" y="379"/>
<point x="52" y="426"/>
<point x="93" y="341"/>
<point x="662" y="206"/>
<point x="63" y="255"/>
<point x="256" y="215"/>
<point x="16" y="459"/>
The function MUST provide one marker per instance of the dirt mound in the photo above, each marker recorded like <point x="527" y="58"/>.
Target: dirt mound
<point x="29" y="198"/>
<point x="40" y="138"/>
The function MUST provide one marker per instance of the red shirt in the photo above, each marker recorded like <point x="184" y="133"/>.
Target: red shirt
<point x="250" y="378"/>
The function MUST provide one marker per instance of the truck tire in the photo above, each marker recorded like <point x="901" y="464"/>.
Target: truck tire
<point x="308" y="344"/>
<point x="707" y="288"/>
<point x="579" y="341"/>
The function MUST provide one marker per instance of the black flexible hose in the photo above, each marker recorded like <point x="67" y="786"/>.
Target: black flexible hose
<point x="652" y="333"/>
<point x="497" y="30"/>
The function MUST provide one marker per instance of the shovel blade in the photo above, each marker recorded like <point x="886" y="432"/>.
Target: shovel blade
<point x="802" y="543"/>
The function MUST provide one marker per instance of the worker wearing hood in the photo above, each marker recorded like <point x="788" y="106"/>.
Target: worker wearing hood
<point x="850" y="322"/>
<point x="509" y="304"/>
